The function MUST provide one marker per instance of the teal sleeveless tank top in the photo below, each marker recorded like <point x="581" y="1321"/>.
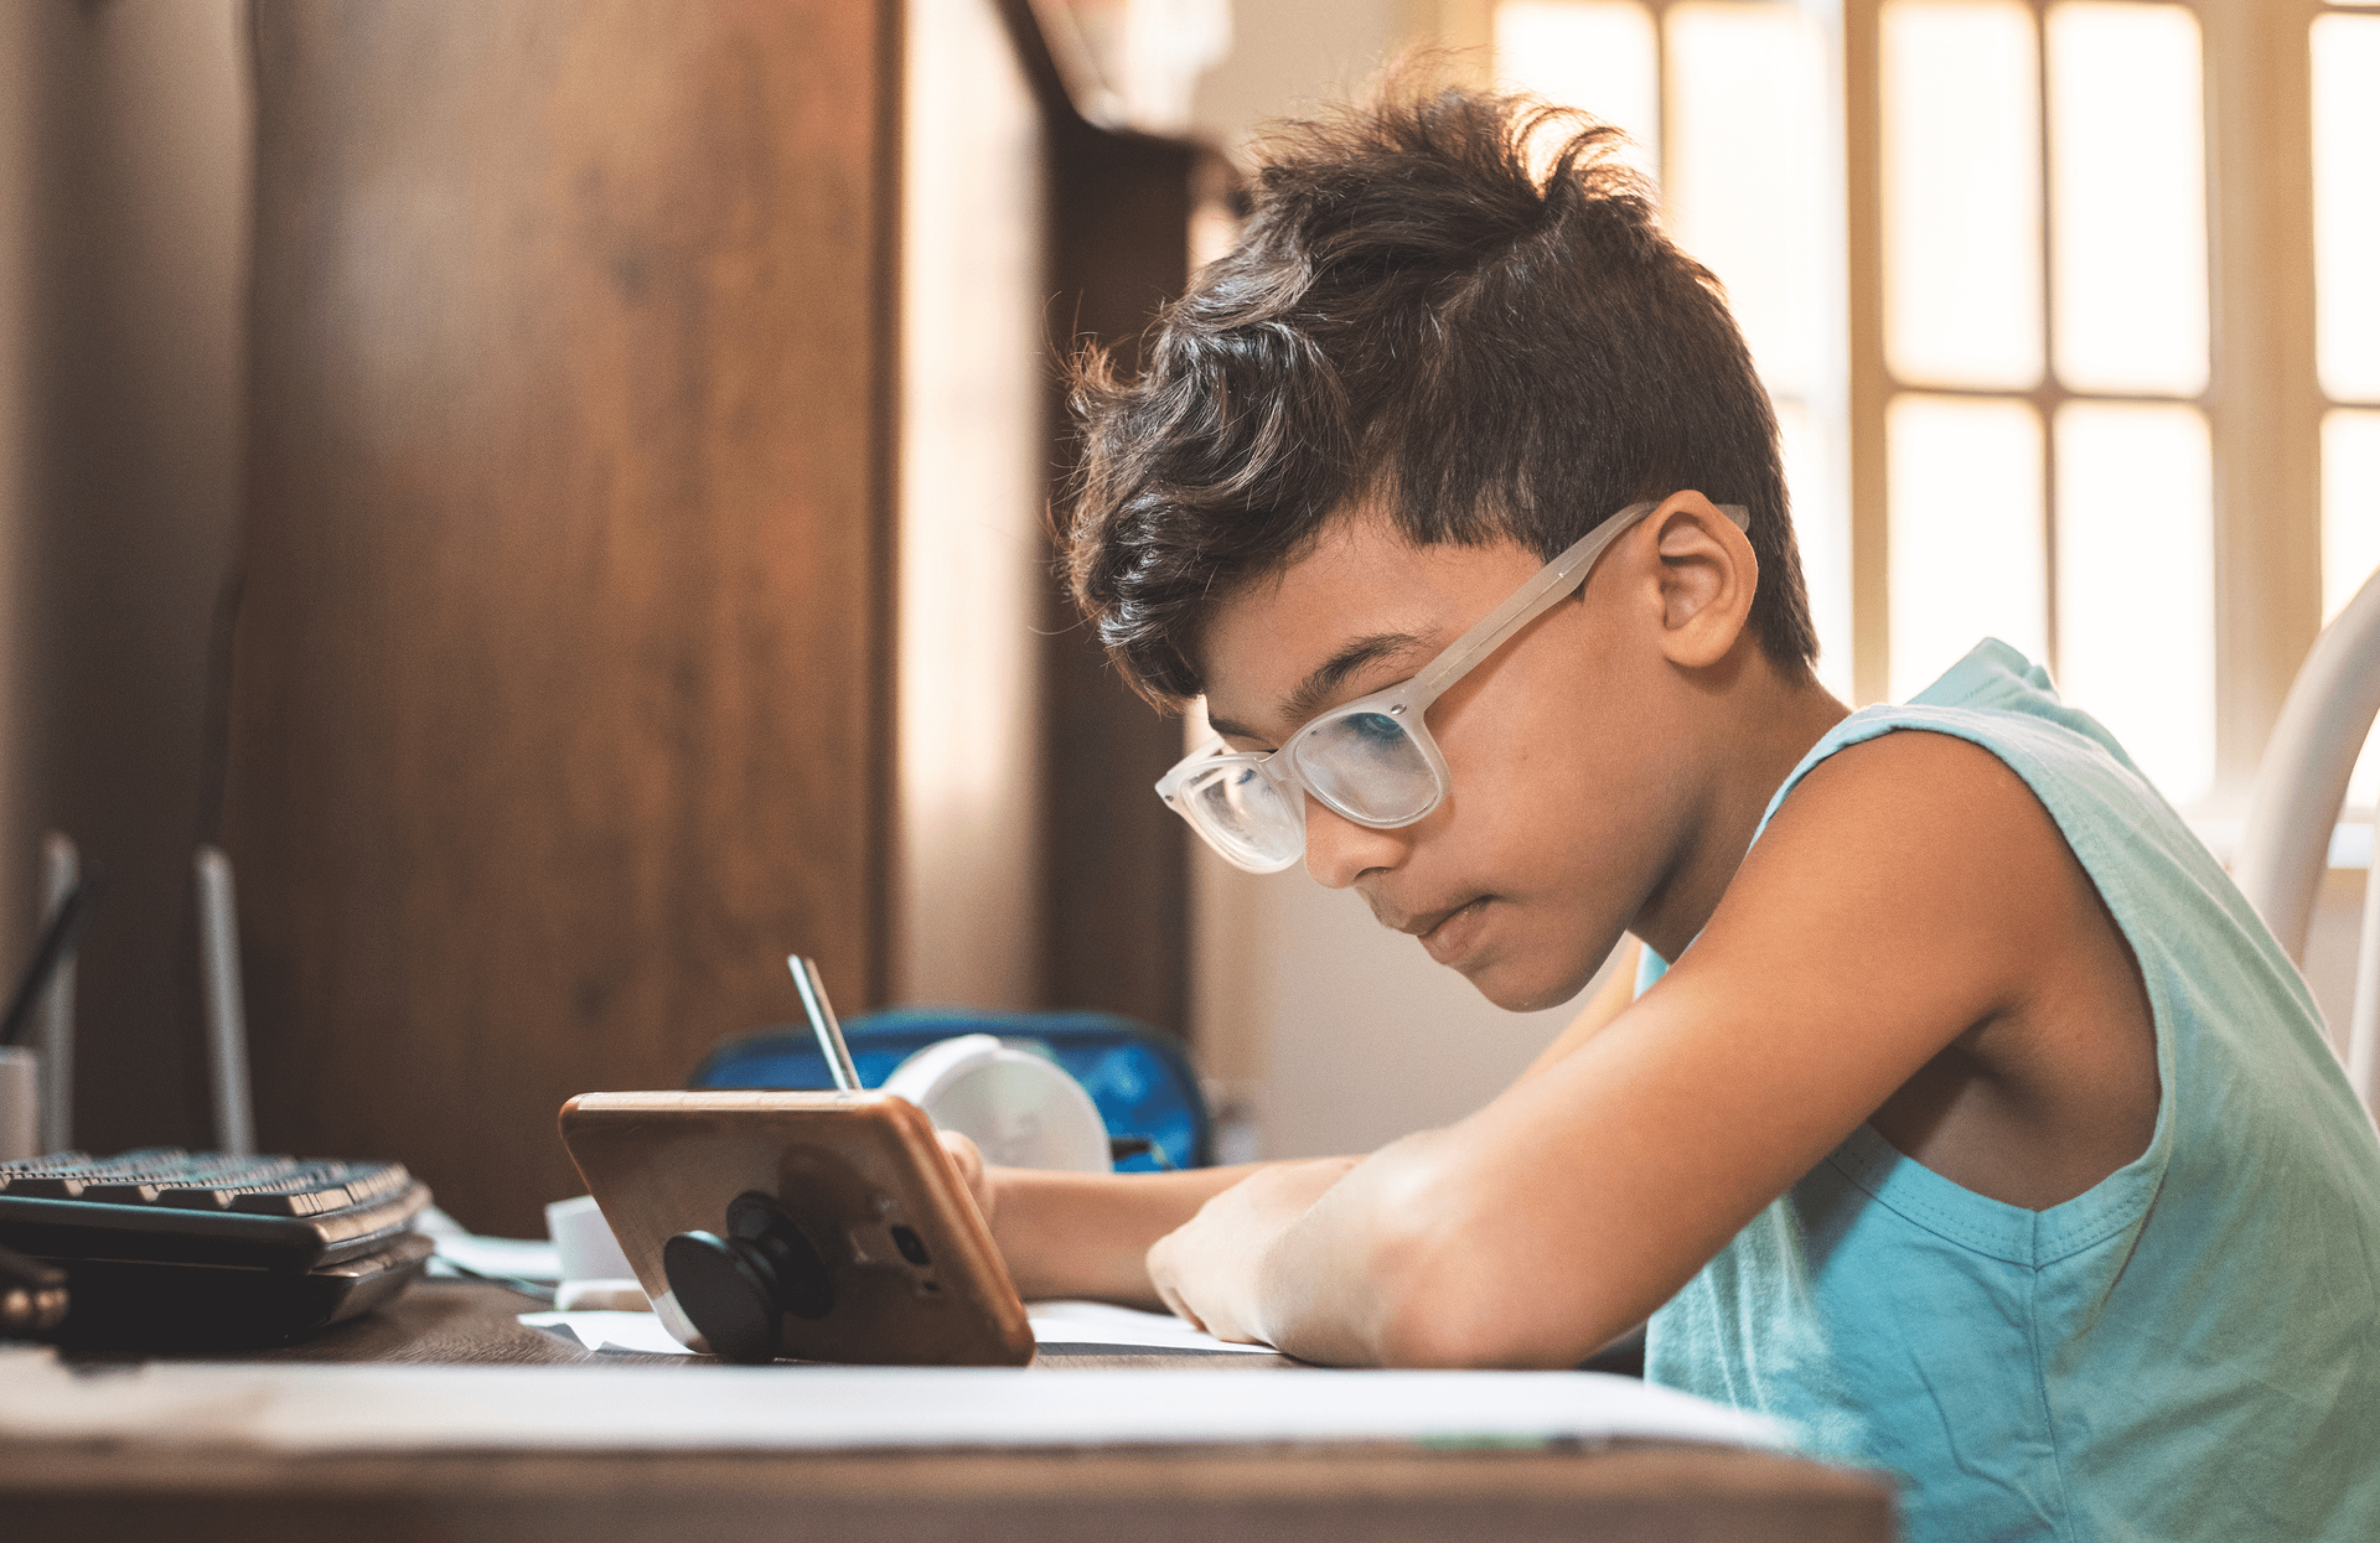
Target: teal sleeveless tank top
<point x="2191" y="1350"/>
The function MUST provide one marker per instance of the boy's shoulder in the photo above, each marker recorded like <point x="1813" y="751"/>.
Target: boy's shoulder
<point x="1993" y="729"/>
<point x="1999" y="700"/>
<point x="1980" y="808"/>
<point x="1916" y="863"/>
<point x="1897" y="809"/>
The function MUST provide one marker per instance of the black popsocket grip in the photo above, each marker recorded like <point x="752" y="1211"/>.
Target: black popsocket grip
<point x="737" y="1290"/>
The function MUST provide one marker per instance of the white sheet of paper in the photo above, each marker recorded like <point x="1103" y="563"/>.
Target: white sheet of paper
<point x="640" y="1332"/>
<point x="395" y="1408"/>
<point x="1104" y="1323"/>
<point x="509" y="1259"/>
<point x="1099" y="1323"/>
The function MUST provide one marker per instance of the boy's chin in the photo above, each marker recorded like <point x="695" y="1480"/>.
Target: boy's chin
<point x="1523" y="982"/>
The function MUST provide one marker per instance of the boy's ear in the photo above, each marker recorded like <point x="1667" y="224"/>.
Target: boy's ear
<point x="1708" y="575"/>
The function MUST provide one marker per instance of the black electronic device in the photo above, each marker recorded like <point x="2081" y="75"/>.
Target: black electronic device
<point x="32" y="1296"/>
<point x="164" y="1248"/>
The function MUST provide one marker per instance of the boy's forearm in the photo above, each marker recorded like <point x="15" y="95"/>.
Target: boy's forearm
<point x="1088" y="1234"/>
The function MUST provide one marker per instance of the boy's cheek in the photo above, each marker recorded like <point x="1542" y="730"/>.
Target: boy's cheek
<point x="1562" y="905"/>
<point x="1547" y="828"/>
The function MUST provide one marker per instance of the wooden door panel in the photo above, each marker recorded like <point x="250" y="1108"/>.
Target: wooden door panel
<point x="560" y="703"/>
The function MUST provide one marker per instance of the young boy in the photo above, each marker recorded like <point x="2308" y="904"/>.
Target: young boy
<point x="1976" y="1128"/>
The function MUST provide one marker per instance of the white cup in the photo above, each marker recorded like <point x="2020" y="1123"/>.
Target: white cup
<point x="20" y="1102"/>
<point x="595" y="1273"/>
<point x="584" y="1240"/>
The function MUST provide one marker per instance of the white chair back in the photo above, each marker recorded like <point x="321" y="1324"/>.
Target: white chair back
<point x="2294" y="806"/>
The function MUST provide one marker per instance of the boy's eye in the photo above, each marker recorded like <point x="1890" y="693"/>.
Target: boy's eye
<point x="1373" y="728"/>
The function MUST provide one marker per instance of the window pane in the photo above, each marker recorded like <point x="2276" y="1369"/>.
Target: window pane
<point x="2127" y="183"/>
<point x="2350" y="505"/>
<point x="2136" y="584"/>
<point x="1822" y="530"/>
<point x="1749" y="173"/>
<point x="1968" y="553"/>
<point x="1598" y="55"/>
<point x="2346" y="203"/>
<point x="2351" y="544"/>
<point x="1961" y="192"/>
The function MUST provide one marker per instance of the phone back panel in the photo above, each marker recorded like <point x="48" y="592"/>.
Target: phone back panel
<point x="853" y="1170"/>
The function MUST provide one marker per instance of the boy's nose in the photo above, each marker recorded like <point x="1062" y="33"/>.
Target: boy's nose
<point x="1337" y="849"/>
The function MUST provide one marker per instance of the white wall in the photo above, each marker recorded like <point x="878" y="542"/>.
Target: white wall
<point x="968" y="881"/>
<point x="1286" y="58"/>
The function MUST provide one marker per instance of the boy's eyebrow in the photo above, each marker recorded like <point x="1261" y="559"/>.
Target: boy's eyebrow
<point x="1317" y="688"/>
<point x="1326" y="677"/>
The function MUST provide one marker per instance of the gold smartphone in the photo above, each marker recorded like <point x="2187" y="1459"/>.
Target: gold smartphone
<point x="816" y="1226"/>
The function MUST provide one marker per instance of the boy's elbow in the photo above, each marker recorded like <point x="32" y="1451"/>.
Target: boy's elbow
<point x="1443" y="1296"/>
<point x="1417" y="1331"/>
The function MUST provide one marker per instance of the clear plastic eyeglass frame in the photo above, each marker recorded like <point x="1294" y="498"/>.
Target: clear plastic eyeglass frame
<point x="1371" y="760"/>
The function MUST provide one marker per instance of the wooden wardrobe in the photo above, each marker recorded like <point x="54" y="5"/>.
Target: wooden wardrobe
<point x="562" y="692"/>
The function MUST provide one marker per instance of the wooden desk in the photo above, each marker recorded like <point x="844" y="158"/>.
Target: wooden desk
<point x="57" y="1492"/>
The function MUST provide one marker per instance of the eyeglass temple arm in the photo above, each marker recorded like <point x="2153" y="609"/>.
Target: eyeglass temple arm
<point x="1556" y="579"/>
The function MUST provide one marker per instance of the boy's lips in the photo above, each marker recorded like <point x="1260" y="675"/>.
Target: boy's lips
<point x="1449" y="934"/>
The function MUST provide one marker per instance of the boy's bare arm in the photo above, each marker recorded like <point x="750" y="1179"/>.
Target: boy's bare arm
<point x="1908" y="897"/>
<point x="1084" y="1234"/>
<point x="1088" y="1234"/>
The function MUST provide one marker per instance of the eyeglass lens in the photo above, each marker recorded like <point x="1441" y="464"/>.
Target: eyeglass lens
<point x="1366" y="765"/>
<point x="1244" y="815"/>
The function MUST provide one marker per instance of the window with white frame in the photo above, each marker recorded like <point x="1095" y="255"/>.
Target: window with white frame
<point x="2045" y="367"/>
<point x="2046" y="336"/>
<point x="2343" y="44"/>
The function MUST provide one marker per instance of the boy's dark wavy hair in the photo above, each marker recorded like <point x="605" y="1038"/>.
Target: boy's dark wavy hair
<point x="1415" y="317"/>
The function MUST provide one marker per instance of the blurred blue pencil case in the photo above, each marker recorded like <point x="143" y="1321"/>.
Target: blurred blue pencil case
<point x="1139" y="1078"/>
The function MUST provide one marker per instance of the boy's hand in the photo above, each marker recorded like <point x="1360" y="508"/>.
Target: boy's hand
<point x="1207" y="1269"/>
<point x="967" y="1158"/>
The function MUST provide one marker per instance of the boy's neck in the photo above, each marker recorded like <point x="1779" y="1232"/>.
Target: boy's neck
<point x="1770" y="731"/>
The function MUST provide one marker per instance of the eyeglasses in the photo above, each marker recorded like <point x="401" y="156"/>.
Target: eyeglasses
<point x="1371" y="760"/>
